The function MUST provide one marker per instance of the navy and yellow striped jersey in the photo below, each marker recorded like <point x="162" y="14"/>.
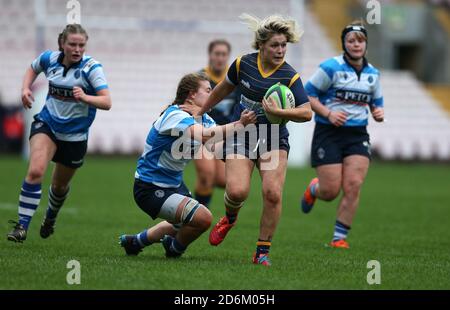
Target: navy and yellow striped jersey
<point x="247" y="74"/>
<point x="223" y="112"/>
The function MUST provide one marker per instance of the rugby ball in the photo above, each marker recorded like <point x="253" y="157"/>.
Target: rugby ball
<point x="283" y="97"/>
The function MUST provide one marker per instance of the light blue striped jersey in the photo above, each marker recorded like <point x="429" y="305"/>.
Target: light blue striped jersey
<point x="69" y="119"/>
<point x="341" y="88"/>
<point x="158" y="163"/>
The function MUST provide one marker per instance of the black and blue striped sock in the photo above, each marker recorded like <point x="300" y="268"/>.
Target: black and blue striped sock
<point x="55" y="202"/>
<point x="340" y="231"/>
<point x="30" y="196"/>
<point x="142" y="239"/>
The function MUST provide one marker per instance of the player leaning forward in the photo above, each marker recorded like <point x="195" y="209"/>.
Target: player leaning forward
<point x="159" y="189"/>
<point x="59" y="133"/>
<point x="254" y="74"/>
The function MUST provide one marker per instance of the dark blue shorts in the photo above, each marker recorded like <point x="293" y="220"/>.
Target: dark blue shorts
<point x="331" y="144"/>
<point x="70" y="154"/>
<point x="253" y="143"/>
<point x="150" y="197"/>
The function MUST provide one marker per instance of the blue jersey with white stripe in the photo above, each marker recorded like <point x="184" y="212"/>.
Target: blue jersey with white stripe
<point x="68" y="118"/>
<point x="247" y="74"/>
<point x="341" y="88"/>
<point x="160" y="163"/>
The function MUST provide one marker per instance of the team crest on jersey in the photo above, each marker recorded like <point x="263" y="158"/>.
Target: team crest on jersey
<point x="345" y="76"/>
<point x="370" y="79"/>
<point x="159" y="193"/>
<point x="77" y="74"/>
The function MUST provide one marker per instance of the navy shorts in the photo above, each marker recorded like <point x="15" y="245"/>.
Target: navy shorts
<point x="68" y="153"/>
<point x="331" y="144"/>
<point x="253" y="143"/>
<point x="150" y="197"/>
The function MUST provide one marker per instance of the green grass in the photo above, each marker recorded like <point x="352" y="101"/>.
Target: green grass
<point x="403" y="222"/>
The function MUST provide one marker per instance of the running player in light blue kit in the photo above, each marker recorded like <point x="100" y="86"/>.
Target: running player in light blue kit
<point x="159" y="189"/>
<point x="77" y="88"/>
<point x="340" y="92"/>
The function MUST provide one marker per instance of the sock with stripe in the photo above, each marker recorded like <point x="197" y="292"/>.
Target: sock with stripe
<point x="142" y="239"/>
<point x="177" y="247"/>
<point x="30" y="196"/>
<point x="55" y="202"/>
<point x="340" y="231"/>
<point x="262" y="247"/>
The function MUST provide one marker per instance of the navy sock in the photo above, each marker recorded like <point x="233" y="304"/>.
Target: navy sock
<point x="263" y="247"/>
<point x="203" y="199"/>
<point x="231" y="217"/>
<point x="177" y="247"/>
<point x="30" y="196"/>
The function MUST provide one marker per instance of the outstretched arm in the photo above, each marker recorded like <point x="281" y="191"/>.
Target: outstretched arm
<point x="200" y="133"/>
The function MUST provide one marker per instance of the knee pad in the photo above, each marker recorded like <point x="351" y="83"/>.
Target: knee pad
<point x="170" y="207"/>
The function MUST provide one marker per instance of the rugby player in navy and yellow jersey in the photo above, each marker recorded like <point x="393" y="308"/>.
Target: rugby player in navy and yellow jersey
<point x="341" y="92"/>
<point x="210" y="170"/>
<point x="253" y="75"/>
<point x="77" y="88"/>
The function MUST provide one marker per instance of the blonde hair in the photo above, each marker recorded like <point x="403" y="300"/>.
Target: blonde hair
<point x="265" y="28"/>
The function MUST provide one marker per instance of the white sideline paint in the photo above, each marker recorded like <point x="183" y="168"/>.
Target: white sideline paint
<point x="13" y="206"/>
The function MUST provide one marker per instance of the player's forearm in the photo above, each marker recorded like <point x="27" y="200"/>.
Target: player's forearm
<point x="28" y="79"/>
<point x="100" y="102"/>
<point x="219" y="92"/>
<point x="299" y="114"/>
<point x="221" y="132"/>
<point x="318" y="107"/>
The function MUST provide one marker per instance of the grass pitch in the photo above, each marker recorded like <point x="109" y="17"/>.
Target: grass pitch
<point x="403" y="222"/>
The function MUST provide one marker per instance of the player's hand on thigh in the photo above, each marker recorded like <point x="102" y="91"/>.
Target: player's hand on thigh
<point x="27" y="98"/>
<point x="337" y="118"/>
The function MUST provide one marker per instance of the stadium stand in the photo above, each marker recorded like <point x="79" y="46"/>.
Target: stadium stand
<point x="145" y="46"/>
